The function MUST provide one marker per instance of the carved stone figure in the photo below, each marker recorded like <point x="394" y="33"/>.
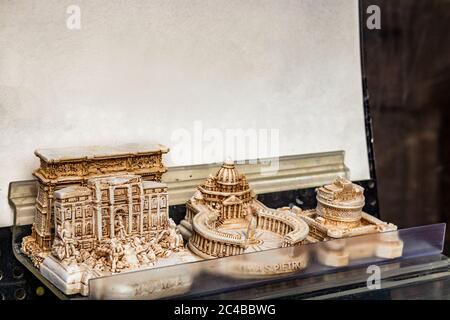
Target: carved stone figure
<point x="142" y="251"/>
<point x="252" y="224"/>
<point x="175" y="237"/>
<point x="64" y="247"/>
<point x="116" y="254"/>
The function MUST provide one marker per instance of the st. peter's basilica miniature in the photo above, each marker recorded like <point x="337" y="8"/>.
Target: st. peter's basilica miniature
<point x="223" y="218"/>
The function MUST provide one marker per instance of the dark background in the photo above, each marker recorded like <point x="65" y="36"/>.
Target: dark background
<point x="407" y="66"/>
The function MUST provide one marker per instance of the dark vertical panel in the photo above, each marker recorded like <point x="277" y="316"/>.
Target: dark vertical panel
<point x="408" y="74"/>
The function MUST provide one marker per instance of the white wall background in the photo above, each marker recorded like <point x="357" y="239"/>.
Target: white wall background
<point x="138" y="70"/>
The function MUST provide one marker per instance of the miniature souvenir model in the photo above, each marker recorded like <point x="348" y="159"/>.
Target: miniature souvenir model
<point x="63" y="167"/>
<point x="114" y="224"/>
<point x="339" y="215"/>
<point x="101" y="211"/>
<point x="223" y="218"/>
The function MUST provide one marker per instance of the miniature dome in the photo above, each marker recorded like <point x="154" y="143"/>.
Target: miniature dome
<point x="227" y="174"/>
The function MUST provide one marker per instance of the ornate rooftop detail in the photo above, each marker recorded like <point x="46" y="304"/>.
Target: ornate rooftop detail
<point x="342" y="193"/>
<point x="227" y="174"/>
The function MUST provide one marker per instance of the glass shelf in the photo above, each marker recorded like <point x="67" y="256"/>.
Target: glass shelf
<point x="315" y="267"/>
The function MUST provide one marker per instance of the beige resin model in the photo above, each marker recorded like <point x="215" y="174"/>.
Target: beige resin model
<point x="339" y="215"/>
<point x="63" y="167"/>
<point x="109" y="224"/>
<point x="223" y="218"/>
<point x="114" y="224"/>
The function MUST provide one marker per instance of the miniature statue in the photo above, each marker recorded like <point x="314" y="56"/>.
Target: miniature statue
<point x="116" y="253"/>
<point x="119" y="228"/>
<point x="174" y="237"/>
<point x="252" y="224"/>
<point x="158" y="249"/>
<point x="64" y="247"/>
